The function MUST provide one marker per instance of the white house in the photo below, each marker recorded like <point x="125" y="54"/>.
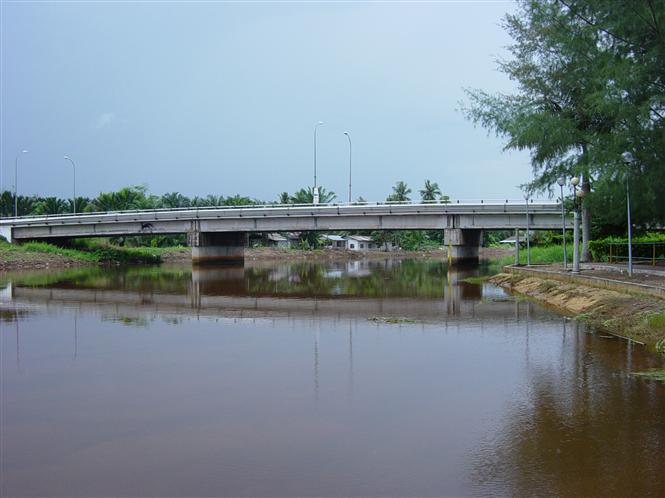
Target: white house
<point x="361" y="243"/>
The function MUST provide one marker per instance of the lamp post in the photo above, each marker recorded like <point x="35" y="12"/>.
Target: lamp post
<point x="315" y="193"/>
<point x="561" y="181"/>
<point x="16" y="182"/>
<point x="528" y="243"/>
<point x="574" y="182"/>
<point x="350" y="150"/>
<point x="67" y="158"/>
<point x="628" y="160"/>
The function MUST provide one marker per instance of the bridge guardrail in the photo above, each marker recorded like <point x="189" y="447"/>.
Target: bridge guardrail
<point x="461" y="203"/>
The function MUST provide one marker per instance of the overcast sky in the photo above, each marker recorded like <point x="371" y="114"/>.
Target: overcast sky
<point x="223" y="97"/>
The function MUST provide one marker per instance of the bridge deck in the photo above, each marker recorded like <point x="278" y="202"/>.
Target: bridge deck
<point x="282" y="218"/>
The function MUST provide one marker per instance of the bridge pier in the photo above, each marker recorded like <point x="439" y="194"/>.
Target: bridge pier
<point x="463" y="244"/>
<point x="217" y="247"/>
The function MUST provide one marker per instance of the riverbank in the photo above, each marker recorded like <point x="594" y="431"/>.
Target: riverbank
<point x="40" y="255"/>
<point x="638" y="317"/>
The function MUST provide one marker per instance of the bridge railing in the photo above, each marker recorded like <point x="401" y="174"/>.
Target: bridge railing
<point x="458" y="202"/>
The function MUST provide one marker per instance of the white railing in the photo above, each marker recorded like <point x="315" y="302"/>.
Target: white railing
<point x="465" y="202"/>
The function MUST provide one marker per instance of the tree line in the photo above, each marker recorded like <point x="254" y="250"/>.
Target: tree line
<point x="138" y="197"/>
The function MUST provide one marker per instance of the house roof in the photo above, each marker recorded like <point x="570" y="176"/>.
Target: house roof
<point x="360" y="238"/>
<point x="334" y="237"/>
<point x="275" y="237"/>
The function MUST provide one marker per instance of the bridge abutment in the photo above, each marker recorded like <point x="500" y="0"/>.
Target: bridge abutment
<point x="218" y="247"/>
<point x="463" y="244"/>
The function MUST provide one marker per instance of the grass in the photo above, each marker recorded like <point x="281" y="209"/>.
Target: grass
<point x="653" y="374"/>
<point x="87" y="251"/>
<point x="540" y="255"/>
<point x="476" y="280"/>
<point x="656" y="320"/>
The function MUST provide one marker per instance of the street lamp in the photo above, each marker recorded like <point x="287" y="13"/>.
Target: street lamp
<point x="16" y="182"/>
<point x="577" y="194"/>
<point x="528" y="243"/>
<point x="561" y="181"/>
<point x="349" y="137"/>
<point x="628" y="160"/>
<point x="316" y="190"/>
<point x="67" y="158"/>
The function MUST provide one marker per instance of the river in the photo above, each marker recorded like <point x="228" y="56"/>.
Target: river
<point x="379" y="378"/>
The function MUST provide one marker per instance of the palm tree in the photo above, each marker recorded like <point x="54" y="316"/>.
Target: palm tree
<point x="174" y="200"/>
<point x="214" y="200"/>
<point x="400" y="193"/>
<point x="306" y="196"/>
<point x="284" y="198"/>
<point x="429" y="192"/>
<point x="51" y="205"/>
<point x="82" y="204"/>
<point x="124" y="199"/>
<point x="238" y="200"/>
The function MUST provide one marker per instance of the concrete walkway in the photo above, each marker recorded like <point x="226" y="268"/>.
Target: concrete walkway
<point x="601" y="275"/>
<point x="658" y="271"/>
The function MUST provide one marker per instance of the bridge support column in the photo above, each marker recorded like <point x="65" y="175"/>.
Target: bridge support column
<point x="463" y="244"/>
<point x="6" y="233"/>
<point x="218" y="247"/>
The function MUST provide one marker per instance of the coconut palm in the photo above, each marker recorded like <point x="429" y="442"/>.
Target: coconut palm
<point x="213" y="200"/>
<point x="429" y="192"/>
<point x="238" y="200"/>
<point x="306" y="196"/>
<point x="400" y="193"/>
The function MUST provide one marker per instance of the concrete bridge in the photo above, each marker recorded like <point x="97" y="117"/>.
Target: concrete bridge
<point x="219" y="234"/>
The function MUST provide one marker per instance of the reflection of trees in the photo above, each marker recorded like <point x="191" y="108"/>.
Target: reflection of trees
<point x="140" y="279"/>
<point x="584" y="430"/>
<point x="368" y="279"/>
<point x="409" y="278"/>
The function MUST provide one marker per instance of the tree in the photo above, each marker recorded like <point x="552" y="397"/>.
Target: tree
<point x="429" y="192"/>
<point x="400" y="193"/>
<point x="284" y="198"/>
<point x="51" y="205"/>
<point x="591" y="79"/>
<point x="238" y="200"/>
<point x="124" y="199"/>
<point x="306" y="196"/>
<point x="174" y="200"/>
<point x="214" y="200"/>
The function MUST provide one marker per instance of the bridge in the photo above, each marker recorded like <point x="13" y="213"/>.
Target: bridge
<point x="219" y="234"/>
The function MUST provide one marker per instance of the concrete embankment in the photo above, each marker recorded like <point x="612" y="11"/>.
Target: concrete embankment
<point x="617" y="308"/>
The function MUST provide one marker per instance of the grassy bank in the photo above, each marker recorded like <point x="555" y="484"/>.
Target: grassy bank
<point x="540" y="255"/>
<point x="37" y="254"/>
<point x="640" y="318"/>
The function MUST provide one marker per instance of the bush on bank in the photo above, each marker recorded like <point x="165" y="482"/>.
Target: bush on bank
<point x="643" y="247"/>
<point x="89" y="251"/>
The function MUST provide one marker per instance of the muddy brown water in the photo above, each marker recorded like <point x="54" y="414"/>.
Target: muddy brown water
<point x="270" y="380"/>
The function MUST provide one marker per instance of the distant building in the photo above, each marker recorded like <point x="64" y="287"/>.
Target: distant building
<point x="278" y="240"/>
<point x="333" y="241"/>
<point x="365" y="243"/>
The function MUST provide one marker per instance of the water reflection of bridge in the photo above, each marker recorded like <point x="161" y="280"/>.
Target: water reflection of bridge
<point x="236" y="292"/>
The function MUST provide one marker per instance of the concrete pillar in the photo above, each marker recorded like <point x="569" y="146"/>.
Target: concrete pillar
<point x="218" y="247"/>
<point x="6" y="233"/>
<point x="463" y="244"/>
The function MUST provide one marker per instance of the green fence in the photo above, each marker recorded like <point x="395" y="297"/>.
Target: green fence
<point x="643" y="252"/>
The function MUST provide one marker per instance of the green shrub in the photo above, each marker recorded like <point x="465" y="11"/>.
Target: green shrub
<point x="600" y="249"/>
